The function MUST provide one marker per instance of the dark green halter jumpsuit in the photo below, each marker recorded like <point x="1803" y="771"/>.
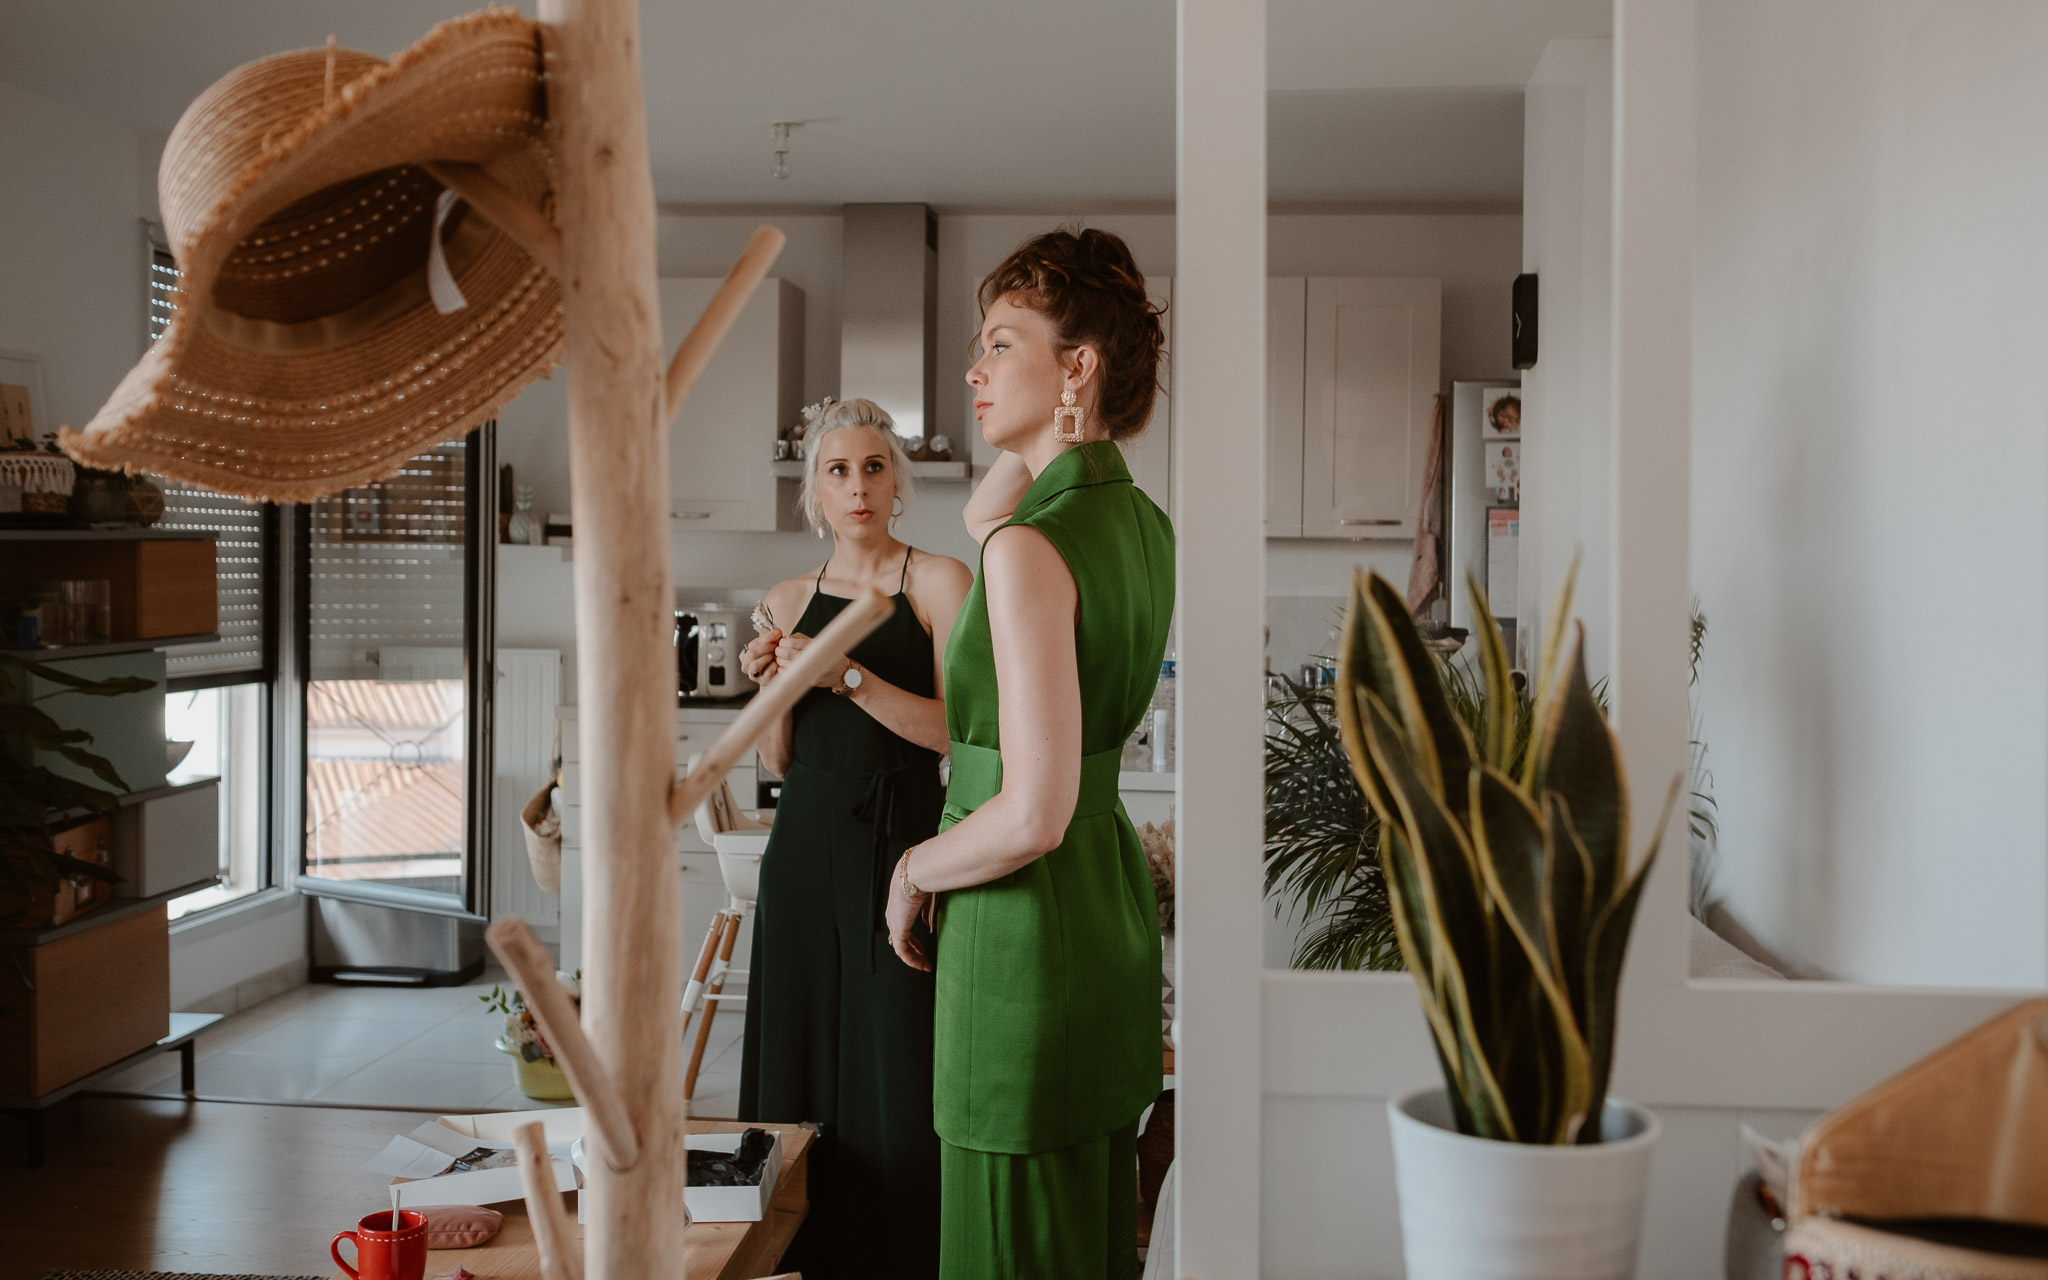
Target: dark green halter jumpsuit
<point x="1048" y="978"/>
<point x="838" y="1029"/>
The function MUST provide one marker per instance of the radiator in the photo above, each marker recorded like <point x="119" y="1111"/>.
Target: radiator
<point x="523" y="714"/>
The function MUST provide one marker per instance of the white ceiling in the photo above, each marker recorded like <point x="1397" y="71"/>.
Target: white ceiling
<point x="960" y="103"/>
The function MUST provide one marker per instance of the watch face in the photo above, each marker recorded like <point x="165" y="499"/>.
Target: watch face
<point x="852" y="678"/>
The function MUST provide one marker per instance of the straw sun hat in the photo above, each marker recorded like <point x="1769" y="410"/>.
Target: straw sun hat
<point x="318" y="343"/>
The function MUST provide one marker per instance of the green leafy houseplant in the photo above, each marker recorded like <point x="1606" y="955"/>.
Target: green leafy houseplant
<point x="1512" y="895"/>
<point x="1322" y="838"/>
<point x="36" y="801"/>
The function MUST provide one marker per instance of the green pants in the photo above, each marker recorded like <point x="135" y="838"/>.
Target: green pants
<point x="1070" y="1214"/>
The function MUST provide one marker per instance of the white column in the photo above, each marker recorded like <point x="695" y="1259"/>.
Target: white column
<point x="1654" y="169"/>
<point x="1219" y="480"/>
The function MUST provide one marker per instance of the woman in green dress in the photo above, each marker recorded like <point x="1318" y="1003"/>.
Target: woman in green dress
<point x="837" y="1030"/>
<point x="1047" y="950"/>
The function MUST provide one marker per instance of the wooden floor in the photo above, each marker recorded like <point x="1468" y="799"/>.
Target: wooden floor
<point x="203" y="1186"/>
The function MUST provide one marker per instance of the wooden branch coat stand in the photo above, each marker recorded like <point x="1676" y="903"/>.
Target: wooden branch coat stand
<point x="626" y="1061"/>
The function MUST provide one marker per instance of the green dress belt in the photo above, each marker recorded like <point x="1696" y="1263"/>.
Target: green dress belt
<point x="978" y="775"/>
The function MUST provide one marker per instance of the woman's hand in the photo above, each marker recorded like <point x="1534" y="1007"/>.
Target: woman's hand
<point x="758" y="660"/>
<point x="905" y="909"/>
<point x="791" y="645"/>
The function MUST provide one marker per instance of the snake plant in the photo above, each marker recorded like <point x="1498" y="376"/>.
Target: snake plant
<point x="1512" y="891"/>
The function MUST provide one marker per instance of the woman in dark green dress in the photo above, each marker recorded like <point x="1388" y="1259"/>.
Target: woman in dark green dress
<point x="1047" y="954"/>
<point x="837" y="1030"/>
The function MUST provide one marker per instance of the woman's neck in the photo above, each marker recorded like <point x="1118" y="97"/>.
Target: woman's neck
<point x="1038" y="454"/>
<point x="864" y="559"/>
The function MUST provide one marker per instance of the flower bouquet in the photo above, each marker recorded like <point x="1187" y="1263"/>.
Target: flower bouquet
<point x="533" y="1062"/>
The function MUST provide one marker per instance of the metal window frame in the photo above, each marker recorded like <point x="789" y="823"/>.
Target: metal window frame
<point x="479" y="645"/>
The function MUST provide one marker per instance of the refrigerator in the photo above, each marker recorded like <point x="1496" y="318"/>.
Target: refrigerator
<point x="1483" y="534"/>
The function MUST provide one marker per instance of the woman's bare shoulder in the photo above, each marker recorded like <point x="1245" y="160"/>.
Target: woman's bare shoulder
<point x="931" y="572"/>
<point x="787" y="598"/>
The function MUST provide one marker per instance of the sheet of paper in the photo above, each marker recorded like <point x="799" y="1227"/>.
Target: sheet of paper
<point x="405" y="1158"/>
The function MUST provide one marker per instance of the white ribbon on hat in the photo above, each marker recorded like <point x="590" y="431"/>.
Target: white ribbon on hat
<point x="441" y="284"/>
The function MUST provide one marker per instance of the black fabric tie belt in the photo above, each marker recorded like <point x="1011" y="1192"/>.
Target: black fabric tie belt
<point x="881" y="807"/>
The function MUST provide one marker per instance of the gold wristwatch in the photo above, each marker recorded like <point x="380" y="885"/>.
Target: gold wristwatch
<point x="849" y="679"/>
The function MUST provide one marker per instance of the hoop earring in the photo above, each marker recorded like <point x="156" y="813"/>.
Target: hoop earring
<point x="1068" y="409"/>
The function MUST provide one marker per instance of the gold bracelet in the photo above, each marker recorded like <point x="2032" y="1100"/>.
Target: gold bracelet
<point x="903" y="870"/>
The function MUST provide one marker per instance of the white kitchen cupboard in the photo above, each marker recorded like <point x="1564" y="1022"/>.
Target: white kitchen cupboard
<point x="1286" y="341"/>
<point x="1150" y="454"/>
<point x="1369" y="383"/>
<point x="724" y="440"/>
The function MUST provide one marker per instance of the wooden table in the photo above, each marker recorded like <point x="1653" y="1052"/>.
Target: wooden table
<point x="717" y="1250"/>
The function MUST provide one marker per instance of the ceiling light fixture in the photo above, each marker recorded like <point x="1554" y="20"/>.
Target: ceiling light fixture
<point x="779" y="131"/>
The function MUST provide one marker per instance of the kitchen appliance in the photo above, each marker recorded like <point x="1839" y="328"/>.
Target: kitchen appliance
<point x="708" y="639"/>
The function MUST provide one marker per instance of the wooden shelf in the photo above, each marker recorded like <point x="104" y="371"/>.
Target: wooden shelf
<point x="118" y="909"/>
<point x="124" y="533"/>
<point x="108" y="649"/>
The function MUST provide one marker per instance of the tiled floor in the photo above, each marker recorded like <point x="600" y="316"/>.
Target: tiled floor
<point x="390" y="1047"/>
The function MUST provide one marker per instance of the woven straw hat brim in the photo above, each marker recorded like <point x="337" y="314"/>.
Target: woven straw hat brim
<point x="306" y="355"/>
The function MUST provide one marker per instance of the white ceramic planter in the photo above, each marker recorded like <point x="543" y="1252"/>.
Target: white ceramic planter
<point x="1475" y="1209"/>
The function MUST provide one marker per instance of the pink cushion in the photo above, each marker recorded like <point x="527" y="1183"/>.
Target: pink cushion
<point x="460" y="1226"/>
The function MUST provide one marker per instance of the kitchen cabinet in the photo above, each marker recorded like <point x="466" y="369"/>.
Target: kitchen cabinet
<point x="1351" y="383"/>
<point x="1369" y="383"/>
<point x="723" y="442"/>
<point x="1150" y="454"/>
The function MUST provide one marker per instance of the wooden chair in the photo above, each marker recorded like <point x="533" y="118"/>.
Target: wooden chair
<point x="740" y="837"/>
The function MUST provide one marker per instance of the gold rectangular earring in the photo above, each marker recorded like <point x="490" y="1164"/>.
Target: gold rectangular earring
<point x="1068" y="409"/>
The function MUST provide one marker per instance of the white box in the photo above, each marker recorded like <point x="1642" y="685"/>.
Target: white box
<point x="722" y="1204"/>
<point x="452" y="1136"/>
<point x="168" y="842"/>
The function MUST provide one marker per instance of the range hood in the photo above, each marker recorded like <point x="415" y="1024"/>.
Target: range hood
<point x="889" y="294"/>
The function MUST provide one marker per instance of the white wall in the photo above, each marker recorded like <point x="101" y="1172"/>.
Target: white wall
<point x="1869" y="533"/>
<point x="1567" y="409"/>
<point x="72" y="254"/>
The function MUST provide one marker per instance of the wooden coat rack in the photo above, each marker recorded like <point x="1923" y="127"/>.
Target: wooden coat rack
<point x="624" y="1058"/>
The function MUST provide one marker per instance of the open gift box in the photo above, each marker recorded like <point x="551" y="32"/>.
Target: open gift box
<point x="427" y="1166"/>
<point x="423" y="1164"/>
<point x="718" y="1204"/>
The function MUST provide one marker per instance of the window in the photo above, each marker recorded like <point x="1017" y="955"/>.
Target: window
<point x="220" y="690"/>
<point x="226" y="725"/>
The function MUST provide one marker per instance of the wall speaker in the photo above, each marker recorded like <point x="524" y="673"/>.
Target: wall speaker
<point x="1524" y="340"/>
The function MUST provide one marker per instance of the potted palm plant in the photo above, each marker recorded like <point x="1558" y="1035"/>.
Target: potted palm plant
<point x="1512" y="899"/>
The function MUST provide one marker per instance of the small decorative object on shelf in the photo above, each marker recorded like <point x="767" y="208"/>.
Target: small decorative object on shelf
<point x="145" y="501"/>
<point x="519" y="531"/>
<point x="533" y="1061"/>
<point x="940" y="448"/>
<point x="44" y="476"/>
<point x="98" y="498"/>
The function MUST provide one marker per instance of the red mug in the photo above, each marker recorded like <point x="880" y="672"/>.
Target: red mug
<point x="384" y="1254"/>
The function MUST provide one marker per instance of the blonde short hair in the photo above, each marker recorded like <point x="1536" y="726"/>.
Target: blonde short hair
<point x="838" y="417"/>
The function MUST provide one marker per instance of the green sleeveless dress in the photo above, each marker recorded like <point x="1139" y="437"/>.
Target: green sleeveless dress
<point x="1047" y="1020"/>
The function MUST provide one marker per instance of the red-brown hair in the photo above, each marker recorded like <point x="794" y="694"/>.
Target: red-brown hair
<point x="1086" y="284"/>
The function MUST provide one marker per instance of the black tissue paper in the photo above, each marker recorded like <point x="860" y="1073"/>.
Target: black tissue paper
<point x="740" y="1168"/>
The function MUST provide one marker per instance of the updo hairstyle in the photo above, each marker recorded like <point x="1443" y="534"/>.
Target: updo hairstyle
<point x="1088" y="287"/>
<point x="837" y="417"/>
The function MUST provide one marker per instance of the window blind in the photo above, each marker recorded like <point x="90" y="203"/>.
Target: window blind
<point x="163" y="290"/>
<point x="241" y="551"/>
<point x="240" y="554"/>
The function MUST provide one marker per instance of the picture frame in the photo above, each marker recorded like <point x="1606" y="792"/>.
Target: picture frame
<point x="24" y="413"/>
<point x="1501" y="411"/>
